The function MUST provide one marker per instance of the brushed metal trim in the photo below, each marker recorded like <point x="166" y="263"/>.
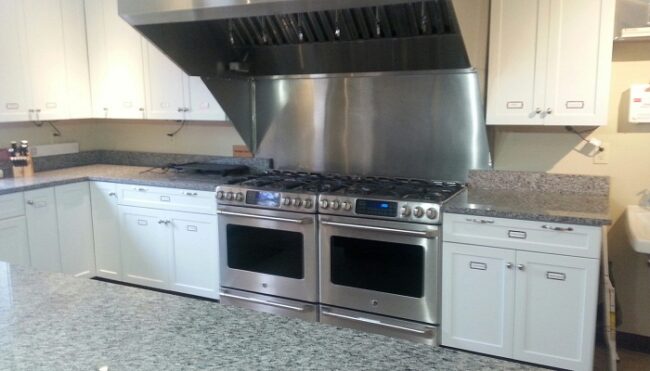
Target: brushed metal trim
<point x="264" y="217"/>
<point x="427" y="234"/>
<point x="376" y="323"/>
<point x="264" y="302"/>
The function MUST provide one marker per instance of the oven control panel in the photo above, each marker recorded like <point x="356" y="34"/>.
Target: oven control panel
<point x="408" y="211"/>
<point x="228" y="195"/>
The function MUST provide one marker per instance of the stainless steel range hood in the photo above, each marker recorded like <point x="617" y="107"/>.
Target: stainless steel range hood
<point x="384" y="87"/>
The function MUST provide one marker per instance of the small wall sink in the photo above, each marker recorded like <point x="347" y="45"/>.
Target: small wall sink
<point x="638" y="228"/>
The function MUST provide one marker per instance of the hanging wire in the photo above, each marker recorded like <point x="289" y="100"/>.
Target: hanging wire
<point x="301" y="34"/>
<point x="231" y="34"/>
<point x="377" y="22"/>
<point x="337" y="29"/>
<point x="424" y="20"/>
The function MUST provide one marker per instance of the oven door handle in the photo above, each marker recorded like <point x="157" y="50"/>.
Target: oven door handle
<point x="265" y="217"/>
<point x="426" y="234"/>
<point x="373" y="322"/>
<point x="264" y="302"/>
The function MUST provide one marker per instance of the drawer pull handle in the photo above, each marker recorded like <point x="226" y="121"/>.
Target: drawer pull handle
<point x="192" y="228"/>
<point x="191" y="194"/>
<point x="142" y="222"/>
<point x="556" y="276"/>
<point x="478" y="266"/>
<point x="480" y="221"/>
<point x="165" y="199"/>
<point x="557" y="229"/>
<point x="139" y="189"/>
<point x="517" y="234"/>
<point x="112" y="194"/>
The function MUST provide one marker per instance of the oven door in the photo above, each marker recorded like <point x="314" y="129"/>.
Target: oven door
<point x="382" y="267"/>
<point x="269" y="252"/>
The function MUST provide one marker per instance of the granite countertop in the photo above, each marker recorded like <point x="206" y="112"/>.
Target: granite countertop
<point x="51" y="321"/>
<point x="572" y="208"/>
<point x="111" y="173"/>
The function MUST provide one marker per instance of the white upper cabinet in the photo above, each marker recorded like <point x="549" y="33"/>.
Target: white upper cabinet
<point x="115" y="57"/>
<point x="45" y="70"/>
<point x="172" y="94"/>
<point x="15" y="94"/>
<point x="166" y="86"/>
<point x="550" y="62"/>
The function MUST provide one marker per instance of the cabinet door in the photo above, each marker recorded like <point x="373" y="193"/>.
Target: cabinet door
<point x="518" y="37"/>
<point x="555" y="311"/>
<point x="13" y="241"/>
<point x="106" y="223"/>
<point x="203" y="105"/>
<point x="75" y="229"/>
<point x="146" y="246"/>
<point x="15" y="94"/>
<point x="115" y="54"/>
<point x="195" y="266"/>
<point x="76" y="59"/>
<point x="46" y="56"/>
<point x="478" y="286"/>
<point x="42" y="231"/>
<point x="165" y="85"/>
<point x="579" y="62"/>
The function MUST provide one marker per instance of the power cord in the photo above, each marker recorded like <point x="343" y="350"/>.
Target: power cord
<point x="571" y="129"/>
<point x="172" y="134"/>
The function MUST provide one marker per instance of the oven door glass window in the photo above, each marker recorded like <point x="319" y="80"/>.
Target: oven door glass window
<point x="388" y="267"/>
<point x="269" y="251"/>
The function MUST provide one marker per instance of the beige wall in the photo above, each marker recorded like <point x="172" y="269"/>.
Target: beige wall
<point x="555" y="151"/>
<point x="210" y="138"/>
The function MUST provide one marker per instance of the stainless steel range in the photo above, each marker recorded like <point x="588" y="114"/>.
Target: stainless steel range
<point x="377" y="239"/>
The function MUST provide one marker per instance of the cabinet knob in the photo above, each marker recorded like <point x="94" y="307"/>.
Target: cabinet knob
<point x="521" y="267"/>
<point x="549" y="111"/>
<point x="112" y="194"/>
<point x="509" y="265"/>
<point x="30" y="202"/>
<point x="538" y="110"/>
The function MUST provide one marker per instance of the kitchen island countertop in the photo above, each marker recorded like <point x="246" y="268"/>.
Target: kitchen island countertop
<point x="51" y="321"/>
<point x="111" y="173"/>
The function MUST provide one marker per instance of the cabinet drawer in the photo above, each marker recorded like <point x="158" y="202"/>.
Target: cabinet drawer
<point x="553" y="238"/>
<point x="12" y="205"/>
<point x="167" y="199"/>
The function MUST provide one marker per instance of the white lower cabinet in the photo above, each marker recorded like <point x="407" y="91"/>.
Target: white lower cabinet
<point x="106" y="230"/>
<point x="42" y="229"/>
<point x="530" y="306"/>
<point x="74" y="215"/>
<point x="195" y="259"/>
<point x="13" y="241"/>
<point x="145" y="246"/>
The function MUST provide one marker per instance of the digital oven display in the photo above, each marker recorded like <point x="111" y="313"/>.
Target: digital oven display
<point x="377" y="208"/>
<point x="266" y="199"/>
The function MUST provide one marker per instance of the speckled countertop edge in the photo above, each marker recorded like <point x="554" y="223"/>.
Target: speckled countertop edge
<point x="108" y="173"/>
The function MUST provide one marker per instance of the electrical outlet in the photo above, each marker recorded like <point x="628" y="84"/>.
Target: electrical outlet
<point x="602" y="157"/>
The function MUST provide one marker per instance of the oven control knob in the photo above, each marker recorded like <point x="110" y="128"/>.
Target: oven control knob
<point x="336" y="205"/>
<point x="308" y="204"/>
<point x="239" y="197"/>
<point x="346" y="206"/>
<point x="432" y="213"/>
<point x="286" y="201"/>
<point x="220" y="195"/>
<point x="229" y="196"/>
<point x="406" y="211"/>
<point x="297" y="202"/>
<point x="418" y="212"/>
<point x="324" y="204"/>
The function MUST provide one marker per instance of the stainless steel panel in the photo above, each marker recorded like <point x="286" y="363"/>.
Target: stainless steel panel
<point x="408" y="330"/>
<point x="425" y="309"/>
<point x="422" y="125"/>
<point x="269" y="304"/>
<point x="305" y="289"/>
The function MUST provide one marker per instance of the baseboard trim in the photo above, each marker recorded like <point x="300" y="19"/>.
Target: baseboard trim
<point x="633" y="342"/>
